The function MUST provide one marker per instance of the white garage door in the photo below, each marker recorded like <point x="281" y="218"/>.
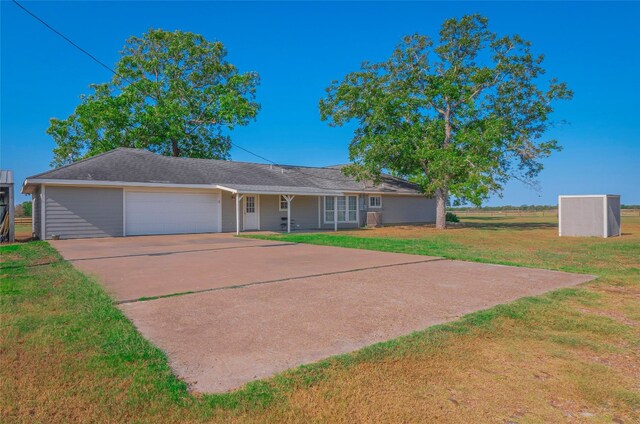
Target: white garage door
<point x="174" y="212"/>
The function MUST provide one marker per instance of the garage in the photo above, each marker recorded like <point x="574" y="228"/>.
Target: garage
<point x="171" y="212"/>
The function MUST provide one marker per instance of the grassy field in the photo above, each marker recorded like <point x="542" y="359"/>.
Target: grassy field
<point x="23" y="231"/>
<point x="67" y="354"/>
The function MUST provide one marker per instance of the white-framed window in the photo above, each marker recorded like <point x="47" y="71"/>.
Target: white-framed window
<point x="347" y="209"/>
<point x="250" y="204"/>
<point x="328" y="209"/>
<point x="284" y="205"/>
<point x="375" y="201"/>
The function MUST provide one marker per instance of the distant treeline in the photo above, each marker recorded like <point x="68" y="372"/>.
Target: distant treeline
<point x="532" y="208"/>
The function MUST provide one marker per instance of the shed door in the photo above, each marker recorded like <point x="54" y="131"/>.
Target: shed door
<point x="171" y="212"/>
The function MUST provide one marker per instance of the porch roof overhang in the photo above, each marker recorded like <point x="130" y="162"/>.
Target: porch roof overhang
<point x="30" y="184"/>
<point x="286" y="190"/>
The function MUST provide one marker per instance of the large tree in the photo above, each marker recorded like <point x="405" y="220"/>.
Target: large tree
<point x="174" y="93"/>
<point x="459" y="117"/>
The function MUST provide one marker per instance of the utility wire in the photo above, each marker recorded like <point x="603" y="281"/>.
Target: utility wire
<point x="107" y="67"/>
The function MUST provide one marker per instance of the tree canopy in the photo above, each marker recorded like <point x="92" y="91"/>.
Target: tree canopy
<point x="174" y="93"/>
<point x="458" y="116"/>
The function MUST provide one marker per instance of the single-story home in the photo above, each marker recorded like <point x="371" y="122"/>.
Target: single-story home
<point x="127" y="192"/>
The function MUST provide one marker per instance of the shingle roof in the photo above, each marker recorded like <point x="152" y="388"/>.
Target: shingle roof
<point x="141" y="166"/>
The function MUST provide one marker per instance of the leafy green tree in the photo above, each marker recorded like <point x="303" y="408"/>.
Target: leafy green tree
<point x="23" y="209"/>
<point x="458" y="117"/>
<point x="174" y="94"/>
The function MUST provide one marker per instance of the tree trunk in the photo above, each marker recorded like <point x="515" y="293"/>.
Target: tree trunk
<point x="441" y="209"/>
<point x="175" y="150"/>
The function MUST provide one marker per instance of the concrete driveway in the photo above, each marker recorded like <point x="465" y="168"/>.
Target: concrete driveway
<point x="252" y="308"/>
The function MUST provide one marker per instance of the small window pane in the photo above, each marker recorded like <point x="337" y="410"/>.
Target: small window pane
<point x="328" y="209"/>
<point x="283" y="203"/>
<point x="250" y="204"/>
<point x="328" y="216"/>
<point x="328" y="203"/>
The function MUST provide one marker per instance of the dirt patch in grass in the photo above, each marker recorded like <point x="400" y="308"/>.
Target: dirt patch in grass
<point x="67" y="354"/>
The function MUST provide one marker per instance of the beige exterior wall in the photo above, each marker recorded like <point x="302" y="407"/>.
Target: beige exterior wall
<point x="229" y="212"/>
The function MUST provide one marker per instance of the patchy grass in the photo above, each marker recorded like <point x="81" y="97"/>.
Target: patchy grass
<point x="67" y="354"/>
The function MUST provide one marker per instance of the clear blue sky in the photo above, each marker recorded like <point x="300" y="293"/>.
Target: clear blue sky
<point x="299" y="48"/>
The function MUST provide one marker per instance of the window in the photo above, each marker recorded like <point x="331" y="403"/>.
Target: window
<point x="284" y="205"/>
<point x="353" y="208"/>
<point x="250" y="204"/>
<point x="328" y="209"/>
<point x="375" y="201"/>
<point x="347" y="209"/>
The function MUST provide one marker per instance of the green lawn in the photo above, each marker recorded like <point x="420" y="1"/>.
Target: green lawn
<point x="68" y="354"/>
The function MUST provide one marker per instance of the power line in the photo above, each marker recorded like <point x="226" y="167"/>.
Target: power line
<point x="107" y="67"/>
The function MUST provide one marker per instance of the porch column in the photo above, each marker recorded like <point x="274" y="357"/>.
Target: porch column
<point x="238" y="199"/>
<point x="335" y="213"/>
<point x="288" y="199"/>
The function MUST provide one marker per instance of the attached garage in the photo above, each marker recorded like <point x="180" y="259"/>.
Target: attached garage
<point x="83" y="212"/>
<point x="171" y="212"/>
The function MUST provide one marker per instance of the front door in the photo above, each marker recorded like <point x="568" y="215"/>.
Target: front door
<point x="251" y="212"/>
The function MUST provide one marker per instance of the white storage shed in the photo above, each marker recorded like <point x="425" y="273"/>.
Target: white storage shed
<point x="596" y="215"/>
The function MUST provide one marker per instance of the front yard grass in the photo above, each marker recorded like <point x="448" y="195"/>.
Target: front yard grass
<point x="68" y="354"/>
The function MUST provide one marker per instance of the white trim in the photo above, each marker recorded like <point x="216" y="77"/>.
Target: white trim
<point x="124" y="212"/>
<point x="280" y="198"/>
<point x="238" y="199"/>
<point x="119" y="184"/>
<point x="559" y="216"/>
<point x="335" y="213"/>
<point x="335" y="210"/>
<point x="588" y="195"/>
<point x="257" y="211"/>
<point x="373" y="196"/>
<point x="320" y="211"/>
<point x="43" y="215"/>
<point x="227" y="189"/>
<point x="33" y="220"/>
<point x="605" y="215"/>
<point x="288" y="199"/>
<point x="358" y="210"/>
<point x="219" y="212"/>
<point x="92" y="183"/>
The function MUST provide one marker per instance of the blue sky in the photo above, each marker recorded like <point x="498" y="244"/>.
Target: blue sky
<point x="299" y="48"/>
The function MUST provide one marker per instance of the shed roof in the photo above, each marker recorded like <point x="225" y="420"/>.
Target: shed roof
<point x="136" y="166"/>
<point x="6" y="177"/>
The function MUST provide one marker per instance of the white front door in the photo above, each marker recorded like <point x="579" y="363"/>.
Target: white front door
<point x="251" y="212"/>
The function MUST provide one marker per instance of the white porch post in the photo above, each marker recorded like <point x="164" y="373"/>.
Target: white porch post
<point x="238" y="198"/>
<point x="335" y="213"/>
<point x="288" y="199"/>
<point x="358" y="210"/>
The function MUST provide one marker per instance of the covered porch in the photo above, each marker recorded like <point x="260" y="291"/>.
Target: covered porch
<point x="288" y="209"/>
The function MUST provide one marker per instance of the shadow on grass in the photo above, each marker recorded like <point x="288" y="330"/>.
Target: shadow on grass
<point x="502" y="223"/>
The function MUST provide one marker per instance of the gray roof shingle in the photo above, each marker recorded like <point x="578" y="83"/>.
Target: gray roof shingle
<point x="141" y="166"/>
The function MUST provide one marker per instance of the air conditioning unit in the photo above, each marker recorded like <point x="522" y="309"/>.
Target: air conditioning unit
<point x="374" y="219"/>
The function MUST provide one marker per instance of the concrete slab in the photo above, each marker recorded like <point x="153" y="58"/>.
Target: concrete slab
<point x="141" y="267"/>
<point x="276" y="305"/>
<point x="218" y="341"/>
